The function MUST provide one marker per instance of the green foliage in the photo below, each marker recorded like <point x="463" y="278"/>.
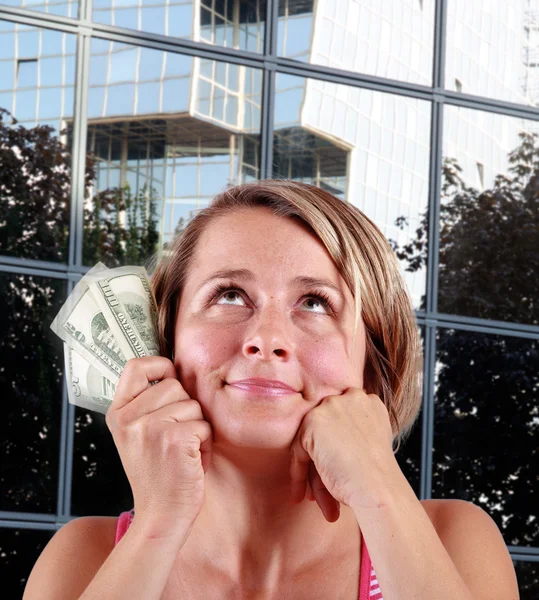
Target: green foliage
<point x="35" y="187"/>
<point x="486" y="416"/>
<point x="488" y="261"/>
<point x="120" y="228"/>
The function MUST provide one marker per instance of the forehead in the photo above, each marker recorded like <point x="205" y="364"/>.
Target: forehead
<point x="255" y="236"/>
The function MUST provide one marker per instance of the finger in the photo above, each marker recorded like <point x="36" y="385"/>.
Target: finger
<point x="330" y="507"/>
<point x="137" y="375"/>
<point x="299" y="467"/>
<point x="166" y="392"/>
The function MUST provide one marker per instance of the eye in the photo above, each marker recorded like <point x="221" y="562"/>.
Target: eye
<point x="228" y="295"/>
<point x="321" y="299"/>
<point x="225" y="292"/>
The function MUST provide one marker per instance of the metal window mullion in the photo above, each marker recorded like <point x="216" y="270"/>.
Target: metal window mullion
<point x="27" y="520"/>
<point x="270" y="37"/>
<point x="266" y="117"/>
<point x="268" y="90"/>
<point x="431" y="300"/>
<point x="20" y="269"/>
<point x="79" y="140"/>
<point x="427" y="432"/>
<point x="486" y="326"/>
<point x="78" y="170"/>
<point x="439" y="42"/>
<point x="436" y="141"/>
<point x="525" y="552"/>
<point x="523" y="557"/>
<point x="38" y="19"/>
<point x="65" y="424"/>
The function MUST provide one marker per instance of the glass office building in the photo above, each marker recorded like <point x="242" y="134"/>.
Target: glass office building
<point x="130" y="116"/>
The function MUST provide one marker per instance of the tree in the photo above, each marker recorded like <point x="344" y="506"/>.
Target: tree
<point x="485" y="438"/>
<point x="121" y="227"/>
<point x="35" y="185"/>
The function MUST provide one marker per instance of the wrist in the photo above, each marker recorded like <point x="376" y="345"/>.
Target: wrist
<point x="161" y="532"/>
<point x="381" y="490"/>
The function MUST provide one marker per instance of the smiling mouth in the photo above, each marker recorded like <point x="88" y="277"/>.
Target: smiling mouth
<point x="261" y="390"/>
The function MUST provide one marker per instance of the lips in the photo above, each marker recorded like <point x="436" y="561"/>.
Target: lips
<point x="267" y="385"/>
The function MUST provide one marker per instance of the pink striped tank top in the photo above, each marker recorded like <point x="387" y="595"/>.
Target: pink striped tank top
<point x="368" y="584"/>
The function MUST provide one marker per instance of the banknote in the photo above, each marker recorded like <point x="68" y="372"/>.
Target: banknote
<point x="82" y="326"/>
<point x="126" y="301"/>
<point x="86" y="386"/>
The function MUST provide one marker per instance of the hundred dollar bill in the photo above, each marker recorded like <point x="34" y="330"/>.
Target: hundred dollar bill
<point x="127" y="303"/>
<point x="86" y="386"/>
<point x="82" y="325"/>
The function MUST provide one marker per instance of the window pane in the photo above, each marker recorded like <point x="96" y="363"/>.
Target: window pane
<point x="100" y="486"/>
<point x="19" y="550"/>
<point x="528" y="579"/>
<point x="35" y="178"/>
<point x="63" y="8"/>
<point x="27" y="73"/>
<point x="492" y="49"/>
<point x="368" y="148"/>
<point x="181" y="148"/>
<point x="390" y="39"/>
<point x="221" y="22"/>
<point x="486" y="425"/>
<point x="31" y="379"/>
<point x="489" y="244"/>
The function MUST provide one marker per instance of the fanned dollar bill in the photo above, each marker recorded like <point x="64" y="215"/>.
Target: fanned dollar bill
<point x="86" y="386"/>
<point x="82" y="326"/>
<point x="108" y="318"/>
<point x="125" y="299"/>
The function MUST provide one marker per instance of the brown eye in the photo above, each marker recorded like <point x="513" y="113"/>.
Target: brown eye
<point x="316" y="299"/>
<point x="228" y="294"/>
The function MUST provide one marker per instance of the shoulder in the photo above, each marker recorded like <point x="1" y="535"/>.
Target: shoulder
<point x="449" y="515"/>
<point x="98" y="533"/>
<point x="78" y="548"/>
<point x="476" y="546"/>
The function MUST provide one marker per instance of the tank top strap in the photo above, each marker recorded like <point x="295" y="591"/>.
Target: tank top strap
<point x="124" y="520"/>
<point x="368" y="582"/>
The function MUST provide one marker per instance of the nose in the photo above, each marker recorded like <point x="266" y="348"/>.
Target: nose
<point x="268" y="337"/>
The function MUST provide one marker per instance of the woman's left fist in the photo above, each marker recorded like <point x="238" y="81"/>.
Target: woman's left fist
<point x="344" y="449"/>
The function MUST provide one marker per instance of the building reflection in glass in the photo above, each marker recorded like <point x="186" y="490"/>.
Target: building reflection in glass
<point x="180" y="128"/>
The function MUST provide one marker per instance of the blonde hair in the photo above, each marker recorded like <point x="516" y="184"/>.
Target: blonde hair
<point x="365" y="260"/>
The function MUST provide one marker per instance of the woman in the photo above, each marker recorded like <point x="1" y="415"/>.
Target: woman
<point x="290" y="362"/>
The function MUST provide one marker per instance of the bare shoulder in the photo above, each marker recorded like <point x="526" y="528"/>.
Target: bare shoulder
<point x="71" y="558"/>
<point x="476" y="546"/>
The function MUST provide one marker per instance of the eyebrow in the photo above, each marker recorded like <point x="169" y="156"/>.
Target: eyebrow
<point x="300" y="280"/>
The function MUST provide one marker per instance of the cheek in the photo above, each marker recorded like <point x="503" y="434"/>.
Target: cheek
<point x="333" y="366"/>
<point x="198" y="352"/>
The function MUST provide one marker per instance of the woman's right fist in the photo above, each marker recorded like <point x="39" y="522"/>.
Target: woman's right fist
<point x="164" y="444"/>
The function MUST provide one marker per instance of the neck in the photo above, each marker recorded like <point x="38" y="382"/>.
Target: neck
<point x="249" y="529"/>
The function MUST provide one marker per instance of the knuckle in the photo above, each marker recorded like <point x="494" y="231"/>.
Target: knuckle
<point x="123" y="417"/>
<point x="130" y="367"/>
<point x="193" y="403"/>
<point x="171" y="439"/>
<point x="173" y="386"/>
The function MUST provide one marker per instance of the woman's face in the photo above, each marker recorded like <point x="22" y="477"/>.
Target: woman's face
<point x="267" y="321"/>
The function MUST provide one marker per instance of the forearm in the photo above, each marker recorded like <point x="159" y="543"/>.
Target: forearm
<point x="407" y="555"/>
<point x="138" y="568"/>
